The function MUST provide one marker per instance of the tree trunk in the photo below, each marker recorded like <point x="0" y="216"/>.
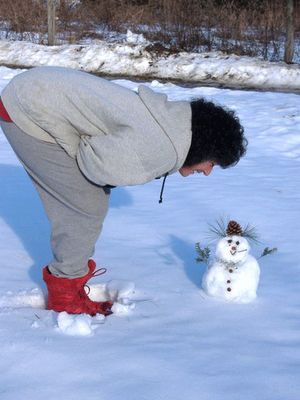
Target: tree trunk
<point x="51" y="22"/>
<point x="289" y="43"/>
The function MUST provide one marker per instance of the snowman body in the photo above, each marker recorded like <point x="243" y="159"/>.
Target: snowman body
<point x="234" y="275"/>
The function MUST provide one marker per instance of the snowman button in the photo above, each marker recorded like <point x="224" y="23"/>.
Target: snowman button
<point x="228" y="289"/>
<point x="228" y="281"/>
<point x="231" y="270"/>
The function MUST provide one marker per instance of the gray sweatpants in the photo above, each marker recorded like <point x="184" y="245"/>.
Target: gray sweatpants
<point x="75" y="207"/>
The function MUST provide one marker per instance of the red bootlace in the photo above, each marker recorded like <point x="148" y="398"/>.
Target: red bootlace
<point x="97" y="272"/>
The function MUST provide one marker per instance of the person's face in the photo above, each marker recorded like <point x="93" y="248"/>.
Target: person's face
<point x="204" y="167"/>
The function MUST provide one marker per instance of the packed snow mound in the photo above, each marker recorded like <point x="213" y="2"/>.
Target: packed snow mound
<point x="26" y="298"/>
<point x="121" y="292"/>
<point x="77" y="325"/>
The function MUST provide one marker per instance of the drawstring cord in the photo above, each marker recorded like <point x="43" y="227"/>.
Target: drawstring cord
<point x="162" y="188"/>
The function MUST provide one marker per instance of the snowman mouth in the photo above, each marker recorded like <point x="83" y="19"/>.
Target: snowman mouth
<point x="233" y="252"/>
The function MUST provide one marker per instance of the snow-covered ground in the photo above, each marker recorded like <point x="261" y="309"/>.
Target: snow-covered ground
<point x="131" y="58"/>
<point x="176" y="343"/>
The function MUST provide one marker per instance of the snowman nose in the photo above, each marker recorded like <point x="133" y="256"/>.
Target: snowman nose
<point x="233" y="248"/>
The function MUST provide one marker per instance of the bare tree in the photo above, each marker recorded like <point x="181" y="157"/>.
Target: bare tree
<point x="289" y="43"/>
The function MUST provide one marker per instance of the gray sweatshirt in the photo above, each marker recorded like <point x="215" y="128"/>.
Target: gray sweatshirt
<point x="118" y="137"/>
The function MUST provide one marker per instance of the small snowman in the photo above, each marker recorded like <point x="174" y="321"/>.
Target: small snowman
<point x="234" y="274"/>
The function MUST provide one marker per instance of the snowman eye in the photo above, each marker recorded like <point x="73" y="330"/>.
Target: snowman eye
<point x="229" y="240"/>
<point x="237" y="242"/>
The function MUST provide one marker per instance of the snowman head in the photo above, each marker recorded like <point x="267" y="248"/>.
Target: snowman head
<point x="233" y="248"/>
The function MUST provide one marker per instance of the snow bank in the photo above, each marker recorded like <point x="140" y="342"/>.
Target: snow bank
<point x="132" y="58"/>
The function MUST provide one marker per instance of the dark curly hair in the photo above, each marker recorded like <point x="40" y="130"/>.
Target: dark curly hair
<point x="217" y="135"/>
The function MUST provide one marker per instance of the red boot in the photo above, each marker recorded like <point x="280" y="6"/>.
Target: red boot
<point x="69" y="295"/>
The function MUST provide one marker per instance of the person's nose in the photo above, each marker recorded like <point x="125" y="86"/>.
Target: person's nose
<point x="207" y="171"/>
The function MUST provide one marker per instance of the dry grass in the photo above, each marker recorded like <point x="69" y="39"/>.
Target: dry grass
<point x="23" y="19"/>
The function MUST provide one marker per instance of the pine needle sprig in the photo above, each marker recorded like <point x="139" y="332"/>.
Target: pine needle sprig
<point x="268" y="251"/>
<point x="203" y="254"/>
<point x="250" y="232"/>
<point x="219" y="229"/>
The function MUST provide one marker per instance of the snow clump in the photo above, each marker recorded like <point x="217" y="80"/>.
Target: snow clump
<point x="76" y="325"/>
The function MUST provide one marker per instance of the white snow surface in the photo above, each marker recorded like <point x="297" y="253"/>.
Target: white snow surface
<point x="176" y="343"/>
<point x="132" y="57"/>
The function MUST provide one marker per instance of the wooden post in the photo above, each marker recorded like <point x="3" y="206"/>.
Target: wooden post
<point x="51" y="22"/>
<point x="289" y="43"/>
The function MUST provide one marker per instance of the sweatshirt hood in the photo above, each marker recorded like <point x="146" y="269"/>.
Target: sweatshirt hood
<point x="174" y="118"/>
<point x="148" y="138"/>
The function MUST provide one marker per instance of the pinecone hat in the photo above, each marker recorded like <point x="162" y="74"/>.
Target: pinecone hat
<point x="234" y="228"/>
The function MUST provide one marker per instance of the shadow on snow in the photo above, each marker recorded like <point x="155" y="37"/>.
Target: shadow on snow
<point x="185" y="251"/>
<point x="22" y="210"/>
